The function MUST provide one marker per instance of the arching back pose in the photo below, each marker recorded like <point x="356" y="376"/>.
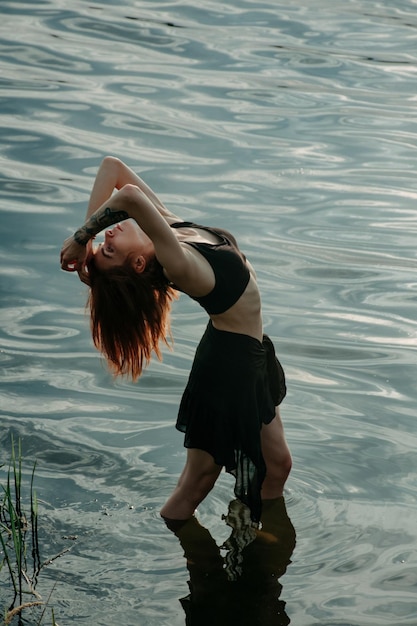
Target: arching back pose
<point x="229" y="410"/>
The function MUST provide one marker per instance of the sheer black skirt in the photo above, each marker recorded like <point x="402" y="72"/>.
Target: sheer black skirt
<point x="234" y="386"/>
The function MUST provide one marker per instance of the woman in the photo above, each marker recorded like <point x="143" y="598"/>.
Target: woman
<point x="229" y="410"/>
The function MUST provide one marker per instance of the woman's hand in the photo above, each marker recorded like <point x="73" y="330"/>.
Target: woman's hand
<point x="73" y="255"/>
<point x="83" y="272"/>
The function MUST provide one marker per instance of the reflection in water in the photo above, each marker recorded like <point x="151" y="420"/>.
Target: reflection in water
<point x="242" y="587"/>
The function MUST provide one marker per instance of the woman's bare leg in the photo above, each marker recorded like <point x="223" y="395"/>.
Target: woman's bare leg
<point x="196" y="481"/>
<point x="277" y="457"/>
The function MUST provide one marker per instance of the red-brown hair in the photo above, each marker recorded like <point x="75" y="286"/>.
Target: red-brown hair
<point x="129" y="314"/>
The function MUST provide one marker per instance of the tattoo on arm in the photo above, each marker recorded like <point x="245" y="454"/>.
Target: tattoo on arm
<point x="98" y="222"/>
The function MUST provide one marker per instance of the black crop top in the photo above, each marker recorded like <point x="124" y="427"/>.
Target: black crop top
<point x="228" y="264"/>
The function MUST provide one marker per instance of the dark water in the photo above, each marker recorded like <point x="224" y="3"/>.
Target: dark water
<point x="295" y="127"/>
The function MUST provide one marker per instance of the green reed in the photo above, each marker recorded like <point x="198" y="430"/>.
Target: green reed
<point x="19" y="544"/>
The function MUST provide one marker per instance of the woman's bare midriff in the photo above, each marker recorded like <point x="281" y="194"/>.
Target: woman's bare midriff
<point x="244" y="316"/>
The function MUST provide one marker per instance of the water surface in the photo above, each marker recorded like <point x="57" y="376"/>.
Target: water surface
<point x="293" y="126"/>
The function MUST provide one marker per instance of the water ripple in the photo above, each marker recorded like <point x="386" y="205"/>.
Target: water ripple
<point x="294" y="127"/>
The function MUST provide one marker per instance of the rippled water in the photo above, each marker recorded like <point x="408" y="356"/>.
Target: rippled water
<point x="295" y="127"/>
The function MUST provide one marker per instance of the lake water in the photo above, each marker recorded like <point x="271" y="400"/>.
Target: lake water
<point x="295" y="127"/>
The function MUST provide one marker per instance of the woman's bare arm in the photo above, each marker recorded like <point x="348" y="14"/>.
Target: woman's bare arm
<point x="128" y="202"/>
<point x="114" y="174"/>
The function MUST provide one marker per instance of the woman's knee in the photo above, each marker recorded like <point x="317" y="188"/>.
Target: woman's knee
<point x="278" y="463"/>
<point x="281" y="465"/>
<point x="275" y="450"/>
<point x="200" y="472"/>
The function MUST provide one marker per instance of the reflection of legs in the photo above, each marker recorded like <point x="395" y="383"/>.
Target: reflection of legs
<point x="277" y="458"/>
<point x="200" y="549"/>
<point x="196" y="481"/>
<point x="243" y="533"/>
<point x="208" y="600"/>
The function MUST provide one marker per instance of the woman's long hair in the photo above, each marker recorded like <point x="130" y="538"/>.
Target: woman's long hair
<point x="129" y="314"/>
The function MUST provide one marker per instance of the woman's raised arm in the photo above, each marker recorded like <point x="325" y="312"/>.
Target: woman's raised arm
<point x="128" y="202"/>
<point x="114" y="174"/>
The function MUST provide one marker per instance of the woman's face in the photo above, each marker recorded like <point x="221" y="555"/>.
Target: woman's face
<point x="120" y="242"/>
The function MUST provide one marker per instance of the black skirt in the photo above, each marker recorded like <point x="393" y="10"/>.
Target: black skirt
<point x="234" y="385"/>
